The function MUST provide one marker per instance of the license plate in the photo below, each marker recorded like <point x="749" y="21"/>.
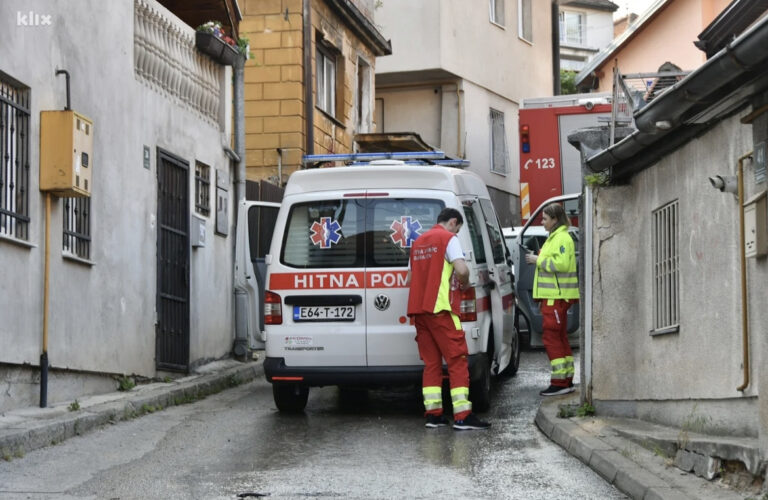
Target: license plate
<point x="323" y="313"/>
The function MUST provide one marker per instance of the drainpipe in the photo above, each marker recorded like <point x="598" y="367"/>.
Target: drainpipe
<point x="240" y="347"/>
<point x="586" y="367"/>
<point x="744" y="299"/>
<point x="309" y="105"/>
<point x="458" y="119"/>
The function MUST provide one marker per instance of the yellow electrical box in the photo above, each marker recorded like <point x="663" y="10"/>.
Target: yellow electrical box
<point x="66" y="153"/>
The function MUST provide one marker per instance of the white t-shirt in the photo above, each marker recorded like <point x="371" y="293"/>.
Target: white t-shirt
<point x="453" y="251"/>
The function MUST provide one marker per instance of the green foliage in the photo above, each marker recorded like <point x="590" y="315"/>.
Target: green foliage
<point x="568" y="82"/>
<point x="74" y="405"/>
<point x="598" y="179"/>
<point x="585" y="410"/>
<point x="568" y="411"/>
<point x="125" y="384"/>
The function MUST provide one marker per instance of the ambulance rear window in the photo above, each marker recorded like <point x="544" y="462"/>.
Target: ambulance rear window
<point x="394" y="225"/>
<point x="326" y="233"/>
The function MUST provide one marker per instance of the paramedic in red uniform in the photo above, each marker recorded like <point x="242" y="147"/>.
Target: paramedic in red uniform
<point x="436" y="265"/>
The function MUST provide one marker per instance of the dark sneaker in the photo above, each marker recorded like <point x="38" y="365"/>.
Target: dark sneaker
<point x="470" y="422"/>
<point x="436" y="421"/>
<point x="556" y="390"/>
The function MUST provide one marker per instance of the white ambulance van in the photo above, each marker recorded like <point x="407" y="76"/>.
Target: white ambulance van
<point x="336" y="295"/>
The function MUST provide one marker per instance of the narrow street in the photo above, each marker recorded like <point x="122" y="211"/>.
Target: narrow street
<point x="236" y="443"/>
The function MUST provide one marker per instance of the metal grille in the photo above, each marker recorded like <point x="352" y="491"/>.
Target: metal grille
<point x="499" y="154"/>
<point x="666" y="271"/>
<point x="172" y="264"/>
<point x="202" y="189"/>
<point x="14" y="158"/>
<point x="77" y="227"/>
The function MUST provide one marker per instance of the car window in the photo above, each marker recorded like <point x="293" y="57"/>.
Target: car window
<point x="494" y="231"/>
<point x="393" y="226"/>
<point x="474" y="234"/>
<point x="326" y="233"/>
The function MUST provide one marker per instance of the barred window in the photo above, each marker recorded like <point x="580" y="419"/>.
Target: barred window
<point x="14" y="158"/>
<point x="499" y="155"/>
<point x="77" y="227"/>
<point x="666" y="271"/>
<point x="202" y="189"/>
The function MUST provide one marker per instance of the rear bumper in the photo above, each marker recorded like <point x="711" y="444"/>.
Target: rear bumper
<point x="355" y="376"/>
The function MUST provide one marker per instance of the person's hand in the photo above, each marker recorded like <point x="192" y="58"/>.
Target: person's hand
<point x="531" y="258"/>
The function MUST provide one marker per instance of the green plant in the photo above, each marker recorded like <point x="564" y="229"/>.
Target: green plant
<point x="233" y="380"/>
<point x="74" y="405"/>
<point x="167" y="379"/>
<point x="691" y="423"/>
<point x="19" y="453"/>
<point x="585" y="410"/>
<point x="242" y="44"/>
<point x="6" y="455"/>
<point x="568" y="411"/>
<point x="598" y="179"/>
<point x="125" y="384"/>
<point x="568" y="82"/>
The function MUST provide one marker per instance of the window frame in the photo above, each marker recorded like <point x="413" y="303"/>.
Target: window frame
<point x="496" y="12"/>
<point x="15" y="143"/>
<point x="325" y="81"/>
<point x="581" y="27"/>
<point x="665" y="272"/>
<point x="76" y="228"/>
<point x="525" y="22"/>
<point x="495" y="118"/>
<point x="202" y="189"/>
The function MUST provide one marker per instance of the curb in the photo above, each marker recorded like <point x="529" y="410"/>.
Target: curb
<point x="633" y="470"/>
<point x="34" y="433"/>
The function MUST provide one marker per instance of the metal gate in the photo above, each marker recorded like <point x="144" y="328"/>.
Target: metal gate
<point x="172" y="348"/>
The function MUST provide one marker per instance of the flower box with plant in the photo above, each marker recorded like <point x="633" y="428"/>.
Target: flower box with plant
<point x="212" y="40"/>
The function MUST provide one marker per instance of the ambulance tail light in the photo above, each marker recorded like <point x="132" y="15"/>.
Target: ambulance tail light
<point x="525" y="138"/>
<point x="468" y="308"/>
<point x="273" y="309"/>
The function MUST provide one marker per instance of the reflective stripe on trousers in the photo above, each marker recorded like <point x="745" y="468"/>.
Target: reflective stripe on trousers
<point x="460" y="400"/>
<point x="433" y="398"/>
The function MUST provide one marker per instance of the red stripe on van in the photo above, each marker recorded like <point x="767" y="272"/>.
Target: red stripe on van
<point x="507" y="301"/>
<point x="336" y="280"/>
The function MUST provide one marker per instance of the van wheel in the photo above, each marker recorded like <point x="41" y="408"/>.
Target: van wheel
<point x="480" y="388"/>
<point x="290" y="398"/>
<point x="514" y="360"/>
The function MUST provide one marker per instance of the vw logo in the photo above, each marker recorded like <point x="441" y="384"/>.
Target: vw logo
<point x="381" y="302"/>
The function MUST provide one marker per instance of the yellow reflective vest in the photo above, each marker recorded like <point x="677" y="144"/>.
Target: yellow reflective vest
<point x="556" y="276"/>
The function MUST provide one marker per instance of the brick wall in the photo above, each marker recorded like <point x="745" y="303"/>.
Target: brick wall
<point x="274" y="91"/>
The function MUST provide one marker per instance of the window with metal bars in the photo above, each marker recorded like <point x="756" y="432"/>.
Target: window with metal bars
<point x="202" y="189"/>
<point x="666" y="270"/>
<point x="77" y="227"/>
<point x="14" y="158"/>
<point x="499" y="155"/>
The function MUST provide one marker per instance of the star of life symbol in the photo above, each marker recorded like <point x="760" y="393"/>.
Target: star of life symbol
<point x="325" y="232"/>
<point x="405" y="231"/>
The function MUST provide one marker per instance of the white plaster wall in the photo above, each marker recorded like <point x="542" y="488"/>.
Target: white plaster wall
<point x="102" y="317"/>
<point x="704" y="360"/>
<point x="413" y="109"/>
<point x="414" y="30"/>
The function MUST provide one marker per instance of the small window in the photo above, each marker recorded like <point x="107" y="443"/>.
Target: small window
<point x="14" y="158"/>
<point x="325" y="233"/>
<point x="475" y="234"/>
<point x="572" y="27"/>
<point x="326" y="78"/>
<point x="494" y="231"/>
<point x="394" y="225"/>
<point x="202" y="189"/>
<point x="497" y="12"/>
<point x="499" y="154"/>
<point x="666" y="271"/>
<point x="525" y="20"/>
<point x="77" y="227"/>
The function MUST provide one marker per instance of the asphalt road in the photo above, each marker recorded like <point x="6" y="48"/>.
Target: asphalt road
<point x="355" y="445"/>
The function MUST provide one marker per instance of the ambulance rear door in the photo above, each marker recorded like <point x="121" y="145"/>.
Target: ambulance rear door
<point x="394" y="219"/>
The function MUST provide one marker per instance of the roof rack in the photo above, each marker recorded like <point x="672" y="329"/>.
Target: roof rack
<point x="407" y="157"/>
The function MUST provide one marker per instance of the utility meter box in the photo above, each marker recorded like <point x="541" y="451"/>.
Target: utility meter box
<point x="756" y="226"/>
<point x="66" y="153"/>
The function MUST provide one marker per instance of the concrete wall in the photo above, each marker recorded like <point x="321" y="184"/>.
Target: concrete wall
<point x="693" y="373"/>
<point x="102" y="312"/>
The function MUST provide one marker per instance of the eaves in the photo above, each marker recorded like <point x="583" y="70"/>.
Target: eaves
<point x="361" y="26"/>
<point x="718" y="88"/>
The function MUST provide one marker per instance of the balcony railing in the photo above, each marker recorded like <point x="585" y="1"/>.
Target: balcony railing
<point x="165" y="59"/>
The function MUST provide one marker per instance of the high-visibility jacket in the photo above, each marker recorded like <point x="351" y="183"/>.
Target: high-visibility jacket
<point x="430" y="290"/>
<point x="556" y="276"/>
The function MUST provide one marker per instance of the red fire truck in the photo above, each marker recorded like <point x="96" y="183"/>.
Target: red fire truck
<point x="549" y="165"/>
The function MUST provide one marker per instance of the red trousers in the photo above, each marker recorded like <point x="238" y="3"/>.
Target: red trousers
<point x="554" y="335"/>
<point x="438" y="339"/>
